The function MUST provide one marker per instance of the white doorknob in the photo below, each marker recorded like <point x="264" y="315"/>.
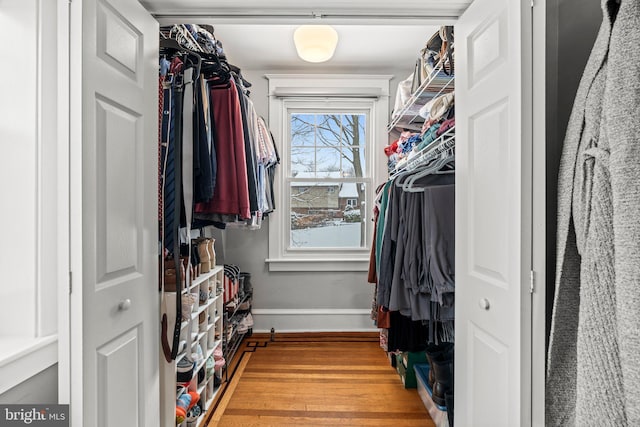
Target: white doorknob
<point x="124" y="305"/>
<point x="484" y="304"/>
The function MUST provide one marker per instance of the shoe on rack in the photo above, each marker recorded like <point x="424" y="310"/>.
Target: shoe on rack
<point x="170" y="276"/>
<point x="210" y="366"/>
<point x="205" y="260"/>
<point x="212" y="251"/>
<point x="219" y="364"/>
<point x="248" y="319"/>
<point x="217" y="353"/>
<point x="245" y="305"/>
<point x="197" y="356"/>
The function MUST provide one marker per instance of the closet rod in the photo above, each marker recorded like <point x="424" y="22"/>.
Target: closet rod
<point x="182" y="17"/>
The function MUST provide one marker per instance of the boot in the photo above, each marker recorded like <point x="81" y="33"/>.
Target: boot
<point x="443" y="384"/>
<point x="212" y="251"/>
<point x="448" y="398"/>
<point x="203" y="252"/>
<point x="442" y="351"/>
<point x="170" y="281"/>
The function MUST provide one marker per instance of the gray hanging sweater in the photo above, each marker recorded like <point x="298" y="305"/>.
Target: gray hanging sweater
<point x="593" y="369"/>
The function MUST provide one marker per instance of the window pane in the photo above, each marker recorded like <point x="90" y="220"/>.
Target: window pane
<point x="354" y="129"/>
<point x="329" y="130"/>
<point x="303" y="129"/>
<point x="328" y="160"/>
<point x="354" y="144"/>
<point x="353" y="162"/>
<point x="327" y="214"/>
<point x="303" y="160"/>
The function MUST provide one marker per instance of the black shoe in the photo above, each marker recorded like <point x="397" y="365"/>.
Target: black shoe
<point x="437" y="352"/>
<point x="443" y="384"/>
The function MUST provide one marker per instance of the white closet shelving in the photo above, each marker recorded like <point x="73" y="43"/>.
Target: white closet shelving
<point x="204" y="328"/>
<point x="408" y="116"/>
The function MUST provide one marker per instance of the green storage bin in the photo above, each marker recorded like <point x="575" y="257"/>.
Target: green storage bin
<point x="405" y="362"/>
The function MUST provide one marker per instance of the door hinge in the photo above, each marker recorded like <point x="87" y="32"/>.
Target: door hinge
<point x="70" y="282"/>
<point x="532" y="280"/>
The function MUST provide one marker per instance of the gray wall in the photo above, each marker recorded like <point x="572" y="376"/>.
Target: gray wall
<point x="571" y="31"/>
<point x="39" y="389"/>
<point x="294" y="290"/>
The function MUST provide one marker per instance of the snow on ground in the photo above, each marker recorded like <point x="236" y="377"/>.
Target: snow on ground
<point x="341" y="235"/>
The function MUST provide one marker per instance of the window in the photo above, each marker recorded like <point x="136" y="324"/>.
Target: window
<point x="326" y="182"/>
<point x="327" y="158"/>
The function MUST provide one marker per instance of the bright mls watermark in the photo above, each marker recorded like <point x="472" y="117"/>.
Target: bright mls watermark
<point x="34" y="415"/>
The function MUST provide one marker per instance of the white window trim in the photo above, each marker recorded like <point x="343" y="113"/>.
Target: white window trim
<point x="365" y="91"/>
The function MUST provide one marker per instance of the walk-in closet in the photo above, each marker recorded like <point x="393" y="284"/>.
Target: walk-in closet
<point x="321" y="213"/>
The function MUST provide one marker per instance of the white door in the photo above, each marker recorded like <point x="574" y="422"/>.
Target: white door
<point x="493" y="214"/>
<point x="115" y="320"/>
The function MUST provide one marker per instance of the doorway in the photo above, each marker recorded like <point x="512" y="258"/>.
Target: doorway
<point x="520" y="357"/>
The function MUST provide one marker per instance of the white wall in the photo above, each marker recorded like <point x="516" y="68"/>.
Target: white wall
<point x="300" y="301"/>
<point x="33" y="190"/>
<point x="18" y="136"/>
<point x="39" y="389"/>
<point x="28" y="169"/>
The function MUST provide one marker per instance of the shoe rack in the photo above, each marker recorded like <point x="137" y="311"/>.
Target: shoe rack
<point x="238" y="321"/>
<point x="194" y="373"/>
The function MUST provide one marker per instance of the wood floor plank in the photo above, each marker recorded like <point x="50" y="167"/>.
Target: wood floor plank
<point x="296" y="381"/>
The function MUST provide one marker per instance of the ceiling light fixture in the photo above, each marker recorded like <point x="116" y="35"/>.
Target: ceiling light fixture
<point x="315" y="43"/>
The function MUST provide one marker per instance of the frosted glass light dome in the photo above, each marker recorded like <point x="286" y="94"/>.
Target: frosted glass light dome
<point x="315" y="43"/>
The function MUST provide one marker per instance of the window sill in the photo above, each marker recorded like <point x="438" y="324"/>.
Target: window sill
<point x="22" y="358"/>
<point x="324" y="264"/>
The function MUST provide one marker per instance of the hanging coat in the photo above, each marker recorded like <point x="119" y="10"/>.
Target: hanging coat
<point x="593" y="369"/>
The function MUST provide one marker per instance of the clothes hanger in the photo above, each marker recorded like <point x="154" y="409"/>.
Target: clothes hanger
<point x="435" y="167"/>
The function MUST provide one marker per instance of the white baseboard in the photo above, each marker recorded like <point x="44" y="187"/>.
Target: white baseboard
<point x="312" y="320"/>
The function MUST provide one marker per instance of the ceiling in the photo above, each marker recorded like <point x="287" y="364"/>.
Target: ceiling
<point x="375" y="36"/>
<point x="361" y="48"/>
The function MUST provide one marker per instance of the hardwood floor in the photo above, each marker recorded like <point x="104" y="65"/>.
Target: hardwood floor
<point x="317" y="380"/>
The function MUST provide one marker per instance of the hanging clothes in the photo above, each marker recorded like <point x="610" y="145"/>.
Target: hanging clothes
<point x="232" y="191"/>
<point x="593" y="374"/>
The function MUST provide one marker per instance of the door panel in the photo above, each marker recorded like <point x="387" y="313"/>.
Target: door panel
<point x="119" y="213"/>
<point x="120" y="301"/>
<point x="487" y="365"/>
<point x="493" y="214"/>
<point x="114" y="397"/>
<point x="488" y="147"/>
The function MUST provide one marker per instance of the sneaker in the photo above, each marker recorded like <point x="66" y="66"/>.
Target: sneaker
<point x="210" y="366"/>
<point x="248" y="319"/>
<point x="197" y="356"/>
